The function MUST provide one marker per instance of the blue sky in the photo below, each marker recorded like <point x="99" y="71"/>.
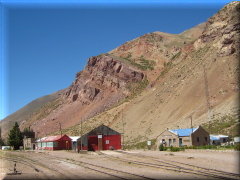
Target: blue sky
<point x="43" y="45"/>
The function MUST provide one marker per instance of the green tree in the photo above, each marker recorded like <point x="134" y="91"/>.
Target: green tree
<point x="1" y="142"/>
<point x="28" y="133"/>
<point x="15" y="137"/>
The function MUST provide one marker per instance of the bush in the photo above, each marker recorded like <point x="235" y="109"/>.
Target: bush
<point x="162" y="148"/>
<point x="175" y="149"/>
<point x="237" y="147"/>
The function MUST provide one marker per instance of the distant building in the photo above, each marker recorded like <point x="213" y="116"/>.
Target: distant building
<point x="74" y="139"/>
<point x="29" y="143"/>
<point x="236" y="140"/>
<point x="218" y="139"/>
<point x="184" y="137"/>
<point x="55" y="143"/>
<point x="100" y="138"/>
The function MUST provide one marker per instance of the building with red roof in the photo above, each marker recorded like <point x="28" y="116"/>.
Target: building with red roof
<point x="58" y="142"/>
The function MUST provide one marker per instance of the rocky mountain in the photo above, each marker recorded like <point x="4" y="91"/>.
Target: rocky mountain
<point x="103" y="82"/>
<point x="154" y="82"/>
<point x="24" y="113"/>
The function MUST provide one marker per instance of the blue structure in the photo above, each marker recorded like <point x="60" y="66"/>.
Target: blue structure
<point x="184" y="137"/>
<point x="183" y="132"/>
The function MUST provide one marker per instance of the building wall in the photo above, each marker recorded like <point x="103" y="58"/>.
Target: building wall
<point x="166" y="135"/>
<point x="28" y="143"/>
<point x="200" y="137"/>
<point x="110" y="139"/>
<point x="65" y="143"/>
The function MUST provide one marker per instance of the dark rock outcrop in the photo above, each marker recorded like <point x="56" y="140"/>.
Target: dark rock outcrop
<point x="102" y="73"/>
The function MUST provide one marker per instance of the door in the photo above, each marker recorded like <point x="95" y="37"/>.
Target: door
<point x="180" y="142"/>
<point x="92" y="143"/>
<point x="100" y="143"/>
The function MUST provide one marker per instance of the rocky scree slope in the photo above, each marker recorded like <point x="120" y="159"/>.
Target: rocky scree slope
<point x="174" y="66"/>
<point x="180" y="89"/>
<point x="103" y="83"/>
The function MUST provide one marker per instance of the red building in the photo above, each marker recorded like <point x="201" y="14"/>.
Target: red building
<point x="101" y="138"/>
<point x="55" y="143"/>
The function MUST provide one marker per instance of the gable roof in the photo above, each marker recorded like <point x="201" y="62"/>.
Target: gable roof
<point x="100" y="128"/>
<point x="53" y="138"/>
<point x="41" y="139"/>
<point x="183" y="132"/>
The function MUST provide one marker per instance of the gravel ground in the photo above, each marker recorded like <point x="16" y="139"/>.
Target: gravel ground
<point x="71" y="165"/>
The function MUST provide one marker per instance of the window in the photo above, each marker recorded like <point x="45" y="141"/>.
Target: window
<point x="49" y="144"/>
<point x="55" y="144"/>
<point x="198" y="139"/>
<point x="174" y="141"/>
<point x="206" y="139"/>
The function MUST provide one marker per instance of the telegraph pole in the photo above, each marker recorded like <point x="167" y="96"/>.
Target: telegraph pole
<point x="60" y="128"/>
<point x="123" y="131"/>
<point x="207" y="98"/>
<point x="81" y="135"/>
<point x="191" y="123"/>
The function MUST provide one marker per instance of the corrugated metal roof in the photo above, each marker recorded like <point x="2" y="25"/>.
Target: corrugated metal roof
<point x="41" y="139"/>
<point x="217" y="137"/>
<point x="74" y="138"/>
<point x="52" y="138"/>
<point x="183" y="132"/>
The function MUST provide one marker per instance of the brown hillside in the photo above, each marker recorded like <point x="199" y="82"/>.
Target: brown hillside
<point x="180" y="89"/>
<point x="109" y="89"/>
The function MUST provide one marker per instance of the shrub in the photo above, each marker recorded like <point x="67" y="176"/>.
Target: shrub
<point x="237" y="147"/>
<point x="162" y="148"/>
<point x="175" y="149"/>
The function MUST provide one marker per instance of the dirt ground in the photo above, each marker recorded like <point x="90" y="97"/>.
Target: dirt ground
<point x="196" y="164"/>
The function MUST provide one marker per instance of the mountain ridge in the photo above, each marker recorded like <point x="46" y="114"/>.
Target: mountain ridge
<point x="173" y="65"/>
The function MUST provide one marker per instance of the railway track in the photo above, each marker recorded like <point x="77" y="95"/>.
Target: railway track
<point x="191" y="165"/>
<point x="174" y="166"/>
<point x="102" y="169"/>
<point x="22" y="162"/>
<point x="33" y="165"/>
<point x="170" y="162"/>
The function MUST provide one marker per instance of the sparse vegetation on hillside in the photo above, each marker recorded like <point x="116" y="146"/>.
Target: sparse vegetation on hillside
<point x="137" y="88"/>
<point x="175" y="56"/>
<point x="140" y="63"/>
<point x="167" y="67"/>
<point x="43" y="112"/>
<point x="228" y="125"/>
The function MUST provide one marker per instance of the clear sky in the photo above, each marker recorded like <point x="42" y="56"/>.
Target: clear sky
<point x="43" y="45"/>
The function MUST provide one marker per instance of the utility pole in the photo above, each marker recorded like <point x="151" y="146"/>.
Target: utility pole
<point x="60" y="128"/>
<point x="123" y="131"/>
<point x="207" y="98"/>
<point x="191" y="122"/>
<point x="81" y="136"/>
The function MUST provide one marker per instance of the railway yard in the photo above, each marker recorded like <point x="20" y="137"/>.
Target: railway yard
<point x="138" y="164"/>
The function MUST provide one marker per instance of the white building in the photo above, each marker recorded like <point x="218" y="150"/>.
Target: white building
<point x="218" y="139"/>
<point x="74" y="142"/>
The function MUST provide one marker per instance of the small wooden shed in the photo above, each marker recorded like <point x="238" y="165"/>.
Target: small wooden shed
<point x="58" y="142"/>
<point x="100" y="138"/>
